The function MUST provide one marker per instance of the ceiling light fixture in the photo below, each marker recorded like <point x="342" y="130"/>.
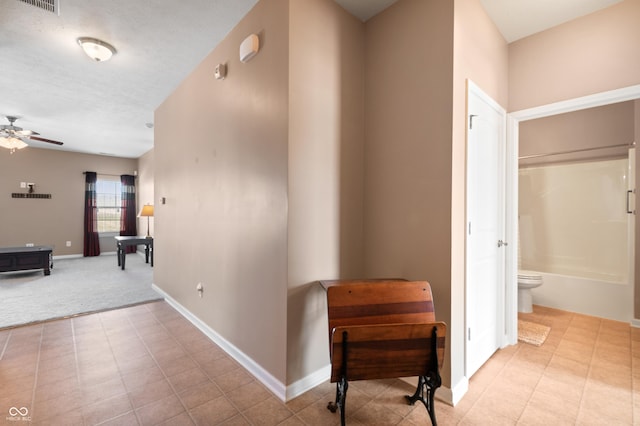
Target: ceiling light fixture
<point x="97" y="50"/>
<point x="12" y="143"/>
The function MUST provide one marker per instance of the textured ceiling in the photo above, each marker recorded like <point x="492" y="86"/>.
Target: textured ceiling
<point x="519" y="18"/>
<point x="103" y="108"/>
<point x="48" y="81"/>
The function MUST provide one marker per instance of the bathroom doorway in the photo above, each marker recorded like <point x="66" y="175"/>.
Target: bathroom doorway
<point x="625" y="290"/>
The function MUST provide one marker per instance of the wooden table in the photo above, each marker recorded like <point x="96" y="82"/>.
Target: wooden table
<point x="26" y="258"/>
<point x="123" y="242"/>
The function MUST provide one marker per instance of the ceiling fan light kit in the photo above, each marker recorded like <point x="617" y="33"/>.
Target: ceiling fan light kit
<point x="12" y="144"/>
<point x="12" y="137"/>
<point x="97" y="50"/>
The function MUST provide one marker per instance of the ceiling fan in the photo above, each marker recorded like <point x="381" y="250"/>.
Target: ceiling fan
<point x="13" y="137"/>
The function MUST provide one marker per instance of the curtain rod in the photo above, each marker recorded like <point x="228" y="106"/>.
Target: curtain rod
<point x="108" y="174"/>
<point x="526" y="157"/>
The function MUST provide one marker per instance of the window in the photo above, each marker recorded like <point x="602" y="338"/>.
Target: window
<point x="108" y="194"/>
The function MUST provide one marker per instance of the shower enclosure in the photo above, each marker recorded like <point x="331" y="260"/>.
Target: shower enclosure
<point x="576" y="228"/>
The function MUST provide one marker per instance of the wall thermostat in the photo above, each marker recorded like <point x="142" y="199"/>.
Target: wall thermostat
<point x="220" y="72"/>
<point x="249" y="47"/>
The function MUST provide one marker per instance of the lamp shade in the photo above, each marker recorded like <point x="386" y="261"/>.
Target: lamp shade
<point x="147" y="210"/>
<point x="12" y="143"/>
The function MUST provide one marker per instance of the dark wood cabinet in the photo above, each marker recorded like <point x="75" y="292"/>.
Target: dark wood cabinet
<point x="26" y="258"/>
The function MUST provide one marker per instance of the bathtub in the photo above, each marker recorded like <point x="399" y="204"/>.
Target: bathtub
<point x="603" y="299"/>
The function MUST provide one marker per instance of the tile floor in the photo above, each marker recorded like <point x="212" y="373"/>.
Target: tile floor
<point x="147" y="365"/>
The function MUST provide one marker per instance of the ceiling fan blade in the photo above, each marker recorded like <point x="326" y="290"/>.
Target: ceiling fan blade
<point x="27" y="133"/>
<point x="36" y="138"/>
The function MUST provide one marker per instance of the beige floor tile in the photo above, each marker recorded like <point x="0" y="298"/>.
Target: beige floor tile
<point x="149" y="358"/>
<point x="150" y="392"/>
<point x="214" y="412"/>
<point x="136" y="378"/>
<point x="375" y="413"/>
<point x="317" y="414"/>
<point x="182" y="419"/>
<point x="248" y="395"/>
<point x="160" y="410"/>
<point x="127" y="419"/>
<point x="106" y="409"/>
<point x="485" y="415"/>
<point x="233" y="379"/>
<point x="200" y="394"/>
<point x="187" y="379"/>
<point x="269" y="412"/>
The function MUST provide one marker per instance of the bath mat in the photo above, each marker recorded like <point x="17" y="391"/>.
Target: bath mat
<point x="532" y="333"/>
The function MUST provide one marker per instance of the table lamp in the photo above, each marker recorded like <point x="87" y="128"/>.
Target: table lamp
<point x="147" y="211"/>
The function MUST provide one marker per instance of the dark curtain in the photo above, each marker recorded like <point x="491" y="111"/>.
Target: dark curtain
<point x="128" y="219"/>
<point x="91" y="236"/>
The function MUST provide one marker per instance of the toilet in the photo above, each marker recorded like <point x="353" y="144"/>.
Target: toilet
<point x="526" y="281"/>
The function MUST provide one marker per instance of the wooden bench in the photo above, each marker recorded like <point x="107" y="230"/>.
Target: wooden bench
<point x="382" y="329"/>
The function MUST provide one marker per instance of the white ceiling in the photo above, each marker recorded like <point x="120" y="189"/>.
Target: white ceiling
<point x="517" y="19"/>
<point x="103" y="108"/>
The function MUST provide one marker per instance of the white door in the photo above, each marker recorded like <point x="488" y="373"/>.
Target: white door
<point x="485" y="265"/>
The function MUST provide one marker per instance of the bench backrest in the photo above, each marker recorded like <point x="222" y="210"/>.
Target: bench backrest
<point x="379" y="302"/>
<point x="386" y="351"/>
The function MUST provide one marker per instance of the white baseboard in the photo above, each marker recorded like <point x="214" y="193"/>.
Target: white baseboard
<point x="67" y="256"/>
<point x="454" y="395"/>
<point x="76" y="256"/>
<point x="277" y="387"/>
<point x="635" y="323"/>
<point x="299" y="387"/>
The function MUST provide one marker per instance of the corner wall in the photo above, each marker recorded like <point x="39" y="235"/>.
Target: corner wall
<point x="325" y="183"/>
<point x="408" y="152"/>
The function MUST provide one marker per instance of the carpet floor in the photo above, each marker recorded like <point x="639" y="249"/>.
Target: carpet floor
<point x="76" y="286"/>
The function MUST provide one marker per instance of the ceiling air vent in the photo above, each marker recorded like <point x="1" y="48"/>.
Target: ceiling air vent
<point x="48" y="5"/>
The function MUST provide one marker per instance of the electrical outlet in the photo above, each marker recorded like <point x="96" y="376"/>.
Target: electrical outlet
<point x="29" y="244"/>
<point x="68" y="243"/>
<point x="23" y="185"/>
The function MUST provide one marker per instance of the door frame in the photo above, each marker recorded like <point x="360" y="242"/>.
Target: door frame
<point x="513" y="121"/>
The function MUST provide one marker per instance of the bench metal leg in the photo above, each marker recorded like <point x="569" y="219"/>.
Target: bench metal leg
<point x="342" y="385"/>
<point x="428" y="401"/>
<point x="430" y="382"/>
<point x="341" y="398"/>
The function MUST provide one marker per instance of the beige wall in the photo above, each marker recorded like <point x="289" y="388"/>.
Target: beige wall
<point x="59" y="219"/>
<point x="589" y="128"/>
<point x="145" y="191"/>
<point x="592" y="54"/>
<point x="220" y="160"/>
<point x="325" y="183"/>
